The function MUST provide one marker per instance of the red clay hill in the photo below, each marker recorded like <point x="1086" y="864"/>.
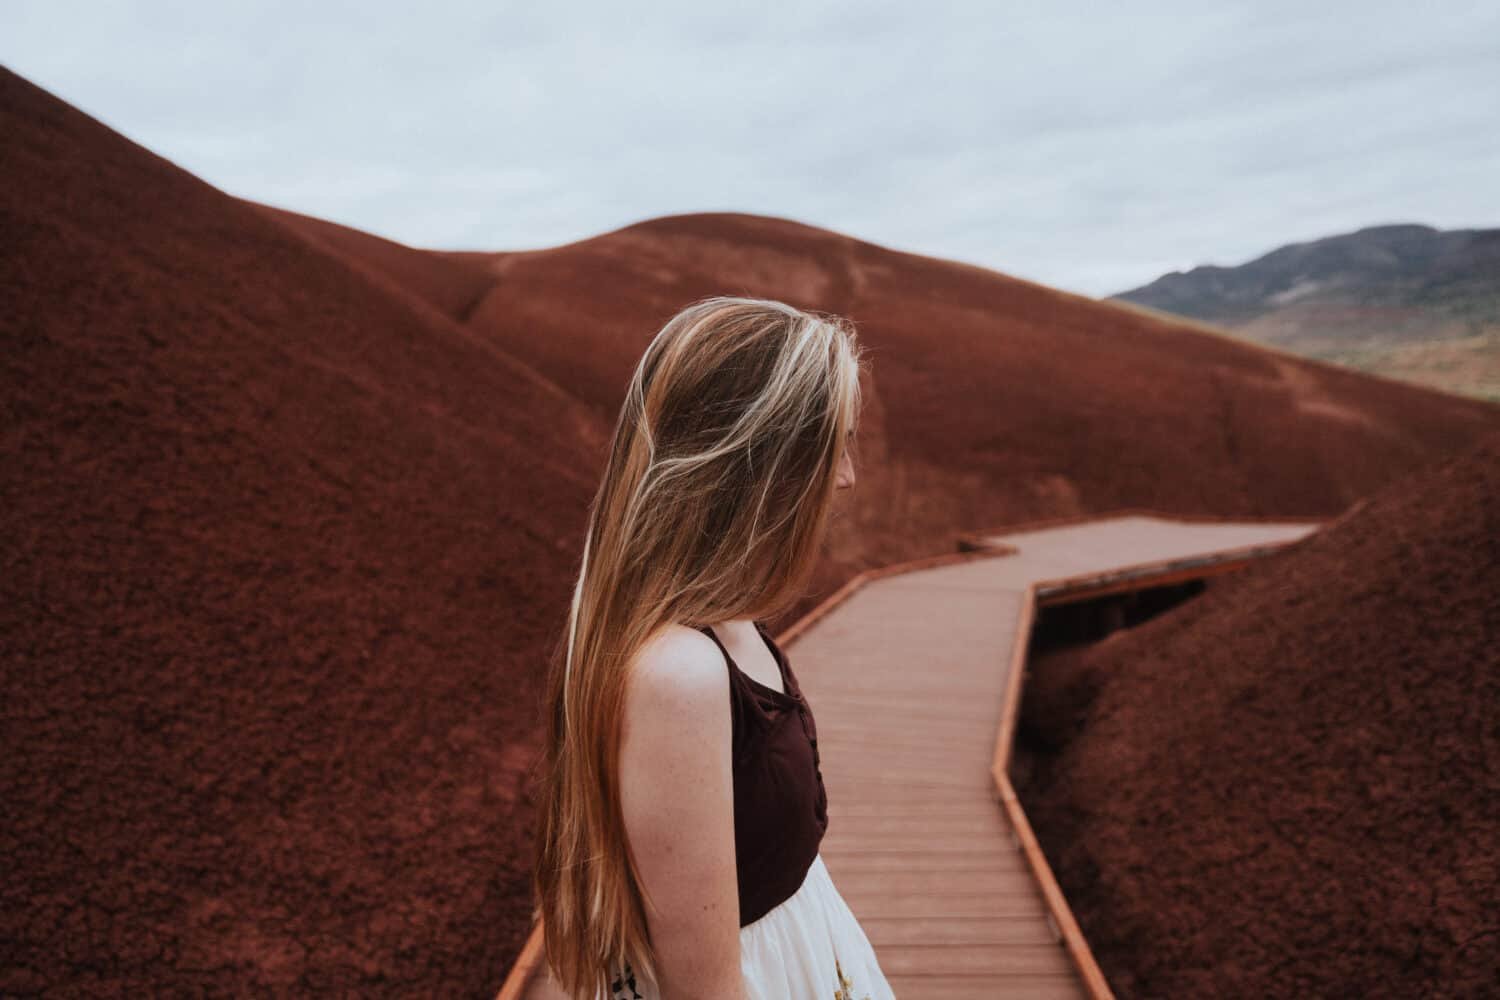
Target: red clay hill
<point x="282" y="546"/>
<point x="291" y="515"/>
<point x="1290" y="786"/>
<point x="994" y="400"/>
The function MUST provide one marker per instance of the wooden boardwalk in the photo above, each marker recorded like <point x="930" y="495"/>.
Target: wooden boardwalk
<point x="909" y="673"/>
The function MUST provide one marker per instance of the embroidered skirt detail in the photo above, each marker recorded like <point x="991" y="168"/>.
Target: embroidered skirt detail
<point x="808" y="947"/>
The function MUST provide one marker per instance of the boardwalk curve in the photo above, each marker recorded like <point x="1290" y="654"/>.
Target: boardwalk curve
<point x="915" y="673"/>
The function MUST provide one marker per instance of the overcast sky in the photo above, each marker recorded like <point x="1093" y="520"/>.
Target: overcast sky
<point x="1087" y="146"/>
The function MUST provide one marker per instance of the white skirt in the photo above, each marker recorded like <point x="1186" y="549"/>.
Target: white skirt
<point x="807" y="947"/>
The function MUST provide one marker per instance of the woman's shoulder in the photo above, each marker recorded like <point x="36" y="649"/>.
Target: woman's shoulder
<point x="679" y="669"/>
<point x="677" y="723"/>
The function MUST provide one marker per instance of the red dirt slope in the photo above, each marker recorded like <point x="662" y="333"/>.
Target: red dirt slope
<point x="993" y="400"/>
<point x="1290" y="786"/>
<point x="281" y="553"/>
<point x="452" y="283"/>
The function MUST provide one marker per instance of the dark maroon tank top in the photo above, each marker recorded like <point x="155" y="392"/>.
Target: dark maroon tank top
<point x="780" y="807"/>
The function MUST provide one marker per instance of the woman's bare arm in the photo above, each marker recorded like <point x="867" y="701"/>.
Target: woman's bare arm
<point x="677" y="791"/>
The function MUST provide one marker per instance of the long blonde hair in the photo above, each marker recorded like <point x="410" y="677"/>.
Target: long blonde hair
<point x="712" y="507"/>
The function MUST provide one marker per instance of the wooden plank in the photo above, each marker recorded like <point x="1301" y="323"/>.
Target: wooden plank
<point x="946" y="929"/>
<point x="974" y="960"/>
<point x="958" y="806"/>
<point x="948" y="884"/>
<point x="867" y="863"/>
<point x="860" y="838"/>
<point x="916" y="823"/>
<point x="1026" y="986"/>
<point x="872" y="902"/>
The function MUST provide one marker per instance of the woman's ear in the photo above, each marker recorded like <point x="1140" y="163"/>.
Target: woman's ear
<point x="845" y="473"/>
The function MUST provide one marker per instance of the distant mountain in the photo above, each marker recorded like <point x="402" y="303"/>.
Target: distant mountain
<point x="1407" y="301"/>
<point x="1454" y="272"/>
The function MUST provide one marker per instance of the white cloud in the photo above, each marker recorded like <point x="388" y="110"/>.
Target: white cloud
<point x="1078" y="144"/>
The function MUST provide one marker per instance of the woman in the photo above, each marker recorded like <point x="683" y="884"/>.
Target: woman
<point x="682" y="803"/>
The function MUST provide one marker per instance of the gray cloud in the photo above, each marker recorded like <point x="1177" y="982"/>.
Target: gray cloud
<point x="1086" y="146"/>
